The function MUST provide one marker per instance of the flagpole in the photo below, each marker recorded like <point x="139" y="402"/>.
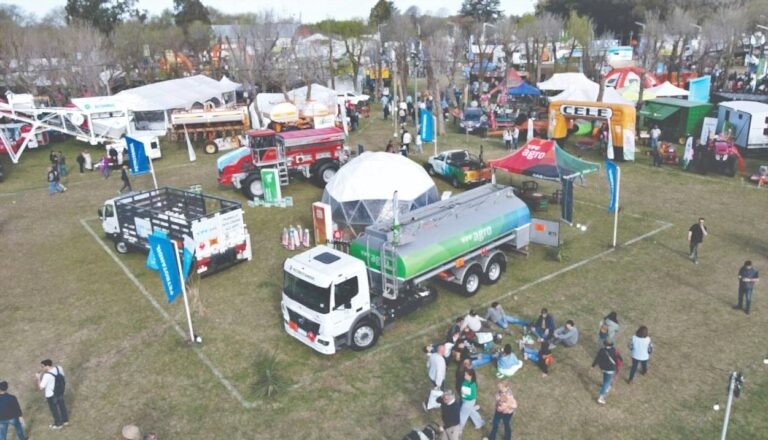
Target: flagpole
<point x="616" y="208"/>
<point x="435" y="128"/>
<point x="152" y="170"/>
<point x="184" y="291"/>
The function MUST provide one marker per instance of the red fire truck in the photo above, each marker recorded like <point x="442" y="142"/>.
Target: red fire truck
<point x="315" y="154"/>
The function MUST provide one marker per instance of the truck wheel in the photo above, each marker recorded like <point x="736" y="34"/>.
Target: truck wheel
<point x="252" y="187"/>
<point x="455" y="182"/>
<point x="430" y="170"/>
<point x="493" y="271"/>
<point x="211" y="148"/>
<point x="325" y="173"/>
<point x="121" y="247"/>
<point x="471" y="282"/>
<point x="364" y="335"/>
<point x="730" y="168"/>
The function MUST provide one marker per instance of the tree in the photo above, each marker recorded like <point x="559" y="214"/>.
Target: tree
<point x="102" y="14"/>
<point x="381" y="12"/>
<point x="188" y="12"/>
<point x="483" y="11"/>
<point x="581" y="32"/>
<point x="352" y="34"/>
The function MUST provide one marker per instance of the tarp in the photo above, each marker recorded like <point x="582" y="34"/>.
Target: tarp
<point x="565" y="81"/>
<point x="180" y="93"/>
<point x="524" y="89"/>
<point x="589" y="92"/>
<point x="544" y="159"/>
<point x="667" y="89"/>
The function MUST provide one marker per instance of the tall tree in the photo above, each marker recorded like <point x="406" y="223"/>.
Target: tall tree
<point x="483" y="11"/>
<point x="381" y="12"/>
<point x="104" y="15"/>
<point x="189" y="11"/>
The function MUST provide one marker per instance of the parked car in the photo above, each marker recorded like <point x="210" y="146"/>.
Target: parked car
<point x="355" y="98"/>
<point x="459" y="167"/>
<point x="474" y="120"/>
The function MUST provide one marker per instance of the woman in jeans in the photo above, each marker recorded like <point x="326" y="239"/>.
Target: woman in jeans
<point x="607" y="359"/>
<point x="641" y="348"/>
<point x="469" y="400"/>
<point x="505" y="409"/>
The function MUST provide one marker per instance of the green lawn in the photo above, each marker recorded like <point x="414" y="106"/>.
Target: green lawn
<point x="65" y="297"/>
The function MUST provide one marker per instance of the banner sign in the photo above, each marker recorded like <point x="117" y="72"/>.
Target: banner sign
<point x="138" y="155"/>
<point x="612" y="171"/>
<point x="566" y="205"/>
<point x="427" y="125"/>
<point x="587" y="111"/>
<point x="709" y="126"/>
<point x="270" y="181"/>
<point x="162" y="257"/>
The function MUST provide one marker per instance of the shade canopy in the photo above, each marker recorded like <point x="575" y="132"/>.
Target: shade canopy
<point x="524" y="89"/>
<point x="181" y="93"/>
<point x="564" y="81"/>
<point x="658" y="112"/>
<point x="590" y="92"/>
<point x="544" y="159"/>
<point x="667" y="89"/>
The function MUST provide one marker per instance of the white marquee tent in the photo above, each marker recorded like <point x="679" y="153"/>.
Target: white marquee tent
<point x="586" y="92"/>
<point x="565" y="81"/>
<point x="667" y="89"/>
<point x="361" y="192"/>
<point x="182" y="93"/>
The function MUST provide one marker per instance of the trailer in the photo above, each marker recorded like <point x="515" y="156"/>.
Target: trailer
<point x="214" y="224"/>
<point x="747" y="122"/>
<point x="314" y="154"/>
<point x="220" y="128"/>
<point x="331" y="299"/>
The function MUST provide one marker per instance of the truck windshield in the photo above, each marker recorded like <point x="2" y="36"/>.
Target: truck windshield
<point x="307" y="294"/>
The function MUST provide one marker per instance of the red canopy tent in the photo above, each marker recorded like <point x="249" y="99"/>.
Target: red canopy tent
<point x="544" y="159"/>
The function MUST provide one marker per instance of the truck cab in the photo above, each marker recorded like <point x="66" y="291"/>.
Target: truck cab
<point x="108" y="219"/>
<point x="326" y="301"/>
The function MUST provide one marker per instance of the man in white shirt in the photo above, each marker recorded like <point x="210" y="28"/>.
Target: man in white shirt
<point x="515" y="136"/>
<point x="405" y="147"/>
<point x="655" y="136"/>
<point x="436" y="369"/>
<point x="508" y="138"/>
<point x="47" y="383"/>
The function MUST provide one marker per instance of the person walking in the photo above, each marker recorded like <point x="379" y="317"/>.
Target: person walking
<point x="450" y="413"/>
<point x="436" y="369"/>
<point x="696" y="235"/>
<point x="81" y="162"/>
<point x="469" y="409"/>
<point x="515" y="137"/>
<point x="609" y="327"/>
<point x="508" y="138"/>
<point x="405" y="143"/>
<point x="608" y="361"/>
<point x="10" y="413"/>
<point x="748" y="276"/>
<point x="640" y="348"/>
<point x="51" y="381"/>
<point x="104" y="166"/>
<point x="505" y="409"/>
<point x="63" y="170"/>
<point x="655" y="136"/>
<point x="125" y="179"/>
<point x="385" y="107"/>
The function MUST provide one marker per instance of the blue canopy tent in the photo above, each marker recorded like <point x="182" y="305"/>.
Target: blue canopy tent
<point x="524" y="89"/>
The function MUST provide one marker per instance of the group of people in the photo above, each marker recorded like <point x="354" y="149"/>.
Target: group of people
<point x="58" y="168"/>
<point x="469" y="342"/>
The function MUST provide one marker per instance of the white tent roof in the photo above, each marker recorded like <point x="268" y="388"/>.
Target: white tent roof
<point x="376" y="176"/>
<point x="564" y="81"/>
<point x="750" y="107"/>
<point x="667" y="89"/>
<point x="320" y="94"/>
<point x="228" y="84"/>
<point x="175" y="93"/>
<point x="586" y="92"/>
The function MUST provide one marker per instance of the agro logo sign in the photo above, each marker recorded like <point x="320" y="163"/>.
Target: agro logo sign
<point x="533" y="152"/>
<point x="589" y="112"/>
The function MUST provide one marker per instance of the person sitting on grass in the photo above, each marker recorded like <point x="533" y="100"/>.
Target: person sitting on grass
<point x="567" y="335"/>
<point x="543" y="358"/>
<point x="507" y="363"/>
<point x="473" y="322"/>
<point x="497" y="315"/>
<point x="544" y="326"/>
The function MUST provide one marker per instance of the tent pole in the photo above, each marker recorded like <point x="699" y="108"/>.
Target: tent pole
<point x="616" y="211"/>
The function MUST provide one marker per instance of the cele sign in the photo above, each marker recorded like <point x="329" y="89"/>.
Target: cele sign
<point x="588" y="112"/>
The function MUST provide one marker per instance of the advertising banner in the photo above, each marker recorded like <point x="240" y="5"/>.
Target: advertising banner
<point x="270" y="181"/>
<point x="427" y="125"/>
<point x="162" y="256"/>
<point x="566" y="205"/>
<point x="612" y="171"/>
<point x="139" y="159"/>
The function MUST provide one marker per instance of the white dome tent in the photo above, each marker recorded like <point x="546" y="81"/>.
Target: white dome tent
<point x="361" y="192"/>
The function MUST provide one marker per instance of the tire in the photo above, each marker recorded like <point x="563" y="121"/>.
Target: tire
<point x="121" y="247"/>
<point x="252" y="187"/>
<point x="430" y="170"/>
<point x="471" y="282"/>
<point x="730" y="167"/>
<point x="211" y="148"/>
<point x="494" y="270"/>
<point x="455" y="182"/>
<point x="364" y="335"/>
<point x="325" y="173"/>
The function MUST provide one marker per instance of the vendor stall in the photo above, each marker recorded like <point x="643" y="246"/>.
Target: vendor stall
<point x="675" y="117"/>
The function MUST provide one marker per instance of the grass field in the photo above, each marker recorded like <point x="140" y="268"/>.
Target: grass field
<point x="64" y="296"/>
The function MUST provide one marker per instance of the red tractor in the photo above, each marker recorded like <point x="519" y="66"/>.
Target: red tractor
<point x="721" y="156"/>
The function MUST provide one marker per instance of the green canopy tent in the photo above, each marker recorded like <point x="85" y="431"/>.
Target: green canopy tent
<point x="675" y="117"/>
